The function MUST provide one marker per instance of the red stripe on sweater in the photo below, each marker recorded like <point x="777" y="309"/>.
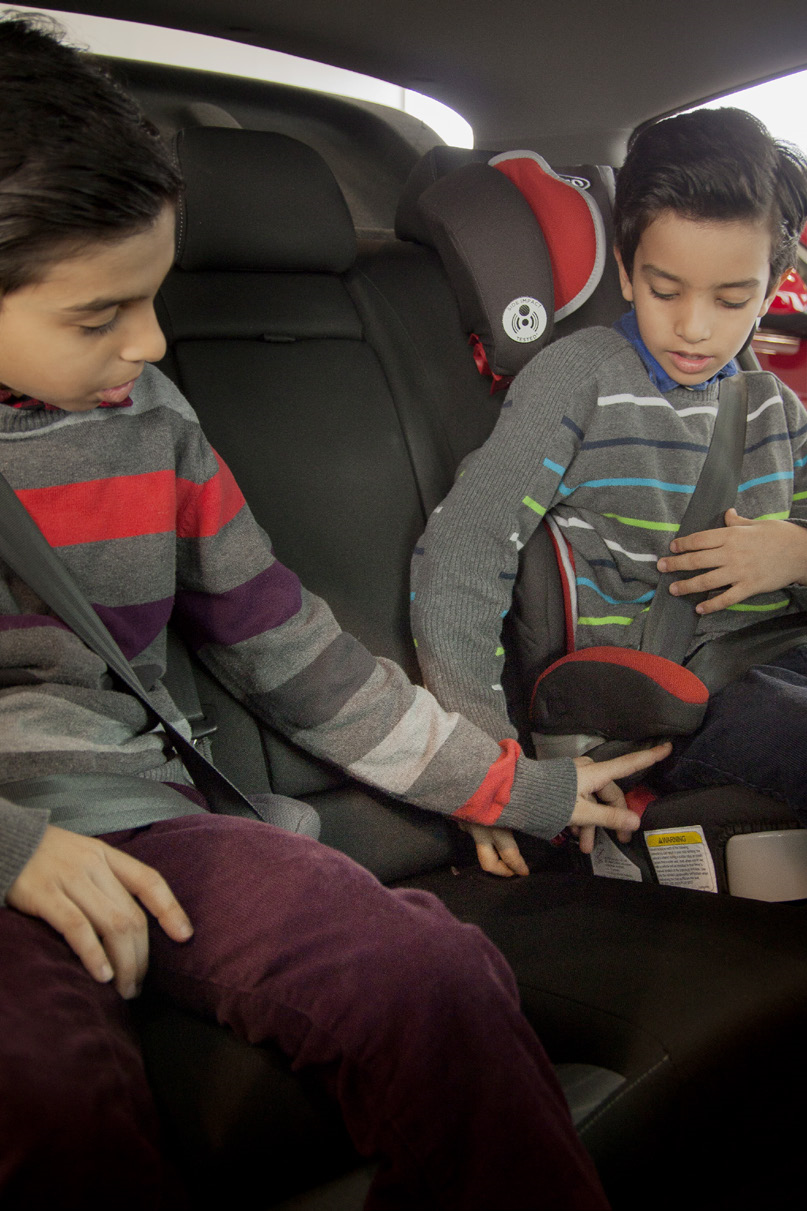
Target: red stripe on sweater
<point x="120" y="506"/>
<point x="493" y="793"/>
<point x="203" y="509"/>
<point x="126" y="506"/>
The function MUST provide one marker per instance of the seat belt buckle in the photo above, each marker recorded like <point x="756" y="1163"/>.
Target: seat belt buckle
<point x="203" y="725"/>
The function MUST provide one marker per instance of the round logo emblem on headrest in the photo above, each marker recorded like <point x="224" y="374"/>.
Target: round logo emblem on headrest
<point x="524" y="319"/>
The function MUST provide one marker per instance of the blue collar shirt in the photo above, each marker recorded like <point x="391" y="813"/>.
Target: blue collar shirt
<point x="627" y="326"/>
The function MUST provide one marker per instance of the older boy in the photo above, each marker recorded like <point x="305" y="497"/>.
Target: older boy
<point x="264" y="930"/>
<point x="607" y="430"/>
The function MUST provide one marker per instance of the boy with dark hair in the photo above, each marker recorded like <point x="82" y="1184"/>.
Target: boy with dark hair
<point x="603" y="437"/>
<point x="262" y="929"/>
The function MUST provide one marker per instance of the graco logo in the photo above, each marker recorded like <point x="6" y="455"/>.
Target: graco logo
<point x="578" y="182"/>
<point x="524" y="319"/>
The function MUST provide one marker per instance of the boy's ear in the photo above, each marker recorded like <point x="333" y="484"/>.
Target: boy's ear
<point x="772" y="294"/>
<point x="625" y="283"/>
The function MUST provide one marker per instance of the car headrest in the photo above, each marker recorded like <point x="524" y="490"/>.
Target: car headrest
<point x="434" y="164"/>
<point x="259" y="202"/>
<point x="524" y="246"/>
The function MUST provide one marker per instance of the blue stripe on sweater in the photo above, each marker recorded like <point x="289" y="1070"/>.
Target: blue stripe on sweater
<point x="765" y="479"/>
<point x="565" y="490"/>
<point x="607" y="443"/>
<point x="583" y="581"/>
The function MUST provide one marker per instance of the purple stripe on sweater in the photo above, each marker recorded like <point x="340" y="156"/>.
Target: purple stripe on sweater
<point x="133" y="627"/>
<point x="22" y="622"/>
<point x="257" y="605"/>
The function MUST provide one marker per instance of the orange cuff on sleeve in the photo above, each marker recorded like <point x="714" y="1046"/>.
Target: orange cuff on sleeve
<point x="493" y="793"/>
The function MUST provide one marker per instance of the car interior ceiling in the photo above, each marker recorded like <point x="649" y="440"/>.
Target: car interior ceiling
<point x="576" y="76"/>
<point x="675" y="1018"/>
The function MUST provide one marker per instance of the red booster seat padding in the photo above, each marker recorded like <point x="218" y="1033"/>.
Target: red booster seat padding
<point x="619" y="694"/>
<point x="571" y="224"/>
<point x="523" y="247"/>
<point x="498" y="262"/>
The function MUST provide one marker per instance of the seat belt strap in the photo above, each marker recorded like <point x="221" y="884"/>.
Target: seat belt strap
<point x="27" y="552"/>
<point x="671" y="622"/>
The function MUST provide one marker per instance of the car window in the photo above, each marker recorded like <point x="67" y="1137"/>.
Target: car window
<point x="781" y="104"/>
<point x="157" y="44"/>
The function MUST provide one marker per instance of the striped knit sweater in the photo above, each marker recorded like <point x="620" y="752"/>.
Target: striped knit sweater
<point x="150" y="521"/>
<point x="587" y="439"/>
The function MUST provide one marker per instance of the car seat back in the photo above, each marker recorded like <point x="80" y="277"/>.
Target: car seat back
<point x="304" y="369"/>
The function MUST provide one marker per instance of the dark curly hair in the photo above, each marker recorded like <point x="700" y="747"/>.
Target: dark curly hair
<point x="712" y="164"/>
<point x="79" y="162"/>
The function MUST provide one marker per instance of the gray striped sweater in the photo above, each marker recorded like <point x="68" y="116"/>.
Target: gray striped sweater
<point x="151" y="523"/>
<point x="586" y="439"/>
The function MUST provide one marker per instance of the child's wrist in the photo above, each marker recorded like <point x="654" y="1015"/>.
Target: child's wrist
<point x="798" y="537"/>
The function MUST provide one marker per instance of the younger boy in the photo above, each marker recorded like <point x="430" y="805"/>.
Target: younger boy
<point x="261" y="929"/>
<point x="606" y="432"/>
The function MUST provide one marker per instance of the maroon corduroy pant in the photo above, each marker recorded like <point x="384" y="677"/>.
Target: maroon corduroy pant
<point x="437" y="1070"/>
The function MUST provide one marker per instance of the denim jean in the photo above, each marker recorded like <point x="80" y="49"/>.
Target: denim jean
<point x="754" y="734"/>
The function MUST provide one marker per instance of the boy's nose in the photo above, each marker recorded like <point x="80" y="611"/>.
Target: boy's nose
<point x="143" y="339"/>
<point x="693" y="324"/>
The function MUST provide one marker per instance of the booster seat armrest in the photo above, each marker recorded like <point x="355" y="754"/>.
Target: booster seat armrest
<point x="618" y="694"/>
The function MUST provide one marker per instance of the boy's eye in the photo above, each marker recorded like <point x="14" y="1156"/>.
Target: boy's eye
<point x="732" y="306"/>
<point x="99" y="329"/>
<point x="658" y="294"/>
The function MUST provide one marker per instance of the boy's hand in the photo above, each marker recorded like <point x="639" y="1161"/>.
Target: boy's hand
<point x="496" y="849"/>
<point x="600" y="802"/>
<point x="86" y="890"/>
<point x="745" y="558"/>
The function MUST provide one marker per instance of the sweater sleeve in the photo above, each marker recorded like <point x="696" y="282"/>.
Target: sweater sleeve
<point x="278" y="649"/>
<point x="465" y="565"/>
<point x="797" y="428"/>
<point x="21" y="830"/>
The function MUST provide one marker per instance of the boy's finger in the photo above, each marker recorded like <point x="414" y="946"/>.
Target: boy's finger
<point x="598" y="774"/>
<point x="611" y="794"/>
<point x="68" y="920"/>
<point x="717" y="578"/>
<point x="154" y="894"/>
<point x="585" y="838"/>
<point x="490" y="861"/>
<point x="618" y="819"/>
<point x="731" y="597"/>
<point x="511" y="856"/>
<point x="733" y="518"/>
<point x="590" y="815"/>
<point x="119" y="924"/>
<point x="700" y="541"/>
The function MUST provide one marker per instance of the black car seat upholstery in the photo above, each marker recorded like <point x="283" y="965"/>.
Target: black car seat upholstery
<point x="336" y="382"/>
<point x="270" y="338"/>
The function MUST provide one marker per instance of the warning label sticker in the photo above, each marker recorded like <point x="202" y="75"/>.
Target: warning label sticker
<point x="608" y="860"/>
<point x="681" y="857"/>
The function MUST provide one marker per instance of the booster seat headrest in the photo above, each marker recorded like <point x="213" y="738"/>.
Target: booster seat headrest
<point x="522" y="245"/>
<point x="260" y="202"/>
<point x="571" y="224"/>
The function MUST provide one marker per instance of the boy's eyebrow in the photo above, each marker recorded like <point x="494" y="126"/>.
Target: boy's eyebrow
<point x="745" y="284"/>
<point x="105" y="304"/>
